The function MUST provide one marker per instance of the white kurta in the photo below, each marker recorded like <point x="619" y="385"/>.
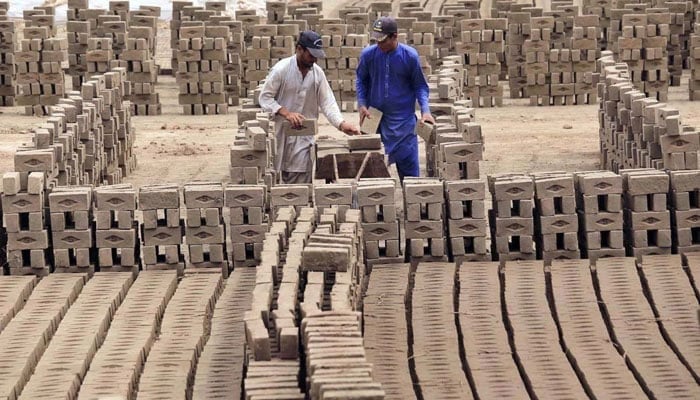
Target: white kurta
<point x="285" y="87"/>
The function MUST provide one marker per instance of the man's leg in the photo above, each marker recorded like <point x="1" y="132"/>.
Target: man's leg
<point x="407" y="161"/>
<point x="295" y="177"/>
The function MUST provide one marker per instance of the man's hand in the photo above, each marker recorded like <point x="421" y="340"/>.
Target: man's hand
<point x="364" y="113"/>
<point x="349" y="129"/>
<point x="428" y="117"/>
<point x="295" y="119"/>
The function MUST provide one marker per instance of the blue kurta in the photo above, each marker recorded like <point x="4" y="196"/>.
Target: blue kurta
<point x="392" y="83"/>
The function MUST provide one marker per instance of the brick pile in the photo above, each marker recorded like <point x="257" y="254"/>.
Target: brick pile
<point x="8" y="46"/>
<point x="78" y="32"/>
<point x="205" y="231"/>
<point x="117" y="365"/>
<point x="297" y="196"/>
<point x="647" y="218"/>
<point x="342" y="57"/>
<point x="602" y="10"/>
<point x="40" y="77"/>
<point x="161" y="229"/>
<point x="679" y="30"/>
<point x="201" y="57"/>
<point x="253" y="149"/>
<point x="233" y="67"/>
<point x="599" y="206"/>
<point x="333" y="372"/>
<point x="99" y="55"/>
<point x="515" y="61"/>
<point x="424" y="205"/>
<point x="41" y="16"/>
<point x="563" y="13"/>
<point x="248" y="224"/>
<point x="536" y="50"/>
<point x="286" y="374"/>
<point x="334" y="196"/>
<point x="116" y="228"/>
<point x="584" y="53"/>
<point x="694" y="61"/>
<point x="459" y="151"/>
<point x="170" y="368"/>
<point x="556" y="222"/>
<point x="23" y="218"/>
<point x="685" y="210"/>
<point x="380" y="223"/>
<point x="482" y="47"/>
<point x="511" y="219"/>
<point x="466" y="225"/>
<point x="71" y="231"/>
<point x="67" y="357"/>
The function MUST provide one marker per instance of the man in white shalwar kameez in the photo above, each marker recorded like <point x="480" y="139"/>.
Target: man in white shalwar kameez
<point x="295" y="89"/>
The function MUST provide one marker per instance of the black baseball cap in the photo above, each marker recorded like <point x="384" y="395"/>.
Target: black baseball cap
<point x="384" y="27"/>
<point x="312" y="41"/>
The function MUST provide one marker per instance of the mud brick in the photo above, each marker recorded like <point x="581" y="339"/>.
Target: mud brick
<point x="370" y="125"/>
<point x="72" y="239"/>
<point x="424" y="192"/>
<point x="424" y="229"/>
<point x="556" y="205"/>
<point x="34" y="161"/>
<point x="117" y="198"/>
<point x="467" y="228"/>
<point x="514" y="226"/>
<point x="26" y="240"/>
<point x="325" y="258"/>
<point x="199" y="195"/>
<point x="468" y="245"/>
<point x="248" y="233"/>
<point x="205" y="235"/>
<point x="372" y="195"/>
<point x="511" y="188"/>
<point x="154" y="197"/>
<point x="328" y="195"/>
<point x="115" y="238"/>
<point x="11" y="183"/>
<point x="642" y="182"/>
<point x="245" y="156"/>
<point x="465" y="190"/>
<point x="162" y="236"/>
<point x="602" y="221"/>
<point x="515" y="208"/>
<point x="309" y="127"/>
<point x="560" y="223"/>
<point x="22" y="203"/>
<point x="651" y="220"/>
<point x="380" y="231"/>
<point x="289" y="195"/>
<point x="244" y="196"/>
<point x="70" y="201"/>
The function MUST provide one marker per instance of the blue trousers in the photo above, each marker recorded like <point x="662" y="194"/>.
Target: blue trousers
<point x="405" y="155"/>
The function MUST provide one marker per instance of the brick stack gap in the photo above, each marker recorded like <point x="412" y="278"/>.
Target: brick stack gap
<point x="511" y="218"/>
<point x="556" y="222"/>
<point x="685" y="211"/>
<point x="482" y="47"/>
<point x="8" y="69"/>
<point x="599" y="207"/>
<point x="141" y="66"/>
<point x="248" y="224"/>
<point x="380" y="224"/>
<point x="161" y="228"/>
<point x="78" y="32"/>
<point x="40" y="77"/>
<point x="71" y="229"/>
<point x="647" y="218"/>
<point x="694" y="61"/>
<point x="466" y="225"/>
<point x="116" y="228"/>
<point x="424" y="205"/>
<point x="536" y="50"/>
<point x="205" y="230"/>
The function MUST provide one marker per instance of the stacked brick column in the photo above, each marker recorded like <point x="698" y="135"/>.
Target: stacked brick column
<point x="511" y="219"/>
<point x="677" y="38"/>
<point x="205" y="230"/>
<point x="142" y="70"/>
<point x="536" y="52"/>
<point x="40" y="77"/>
<point x="282" y="196"/>
<point x="71" y="215"/>
<point x="161" y="229"/>
<point x="694" y="57"/>
<point x="78" y="32"/>
<point x="466" y="226"/>
<point x="556" y="222"/>
<point x="422" y="38"/>
<point x="116" y="228"/>
<point x="685" y="210"/>
<point x="247" y="222"/>
<point x="599" y="207"/>
<point x="647" y="219"/>
<point x="482" y="46"/>
<point x="380" y="224"/>
<point x="233" y="69"/>
<point x="252" y="152"/>
<point x="584" y="52"/>
<point x="258" y="54"/>
<point x="424" y="204"/>
<point x="333" y="196"/>
<point x="99" y="55"/>
<point x="23" y="217"/>
<point x="8" y="45"/>
<point x="518" y="24"/>
<point x="601" y="10"/>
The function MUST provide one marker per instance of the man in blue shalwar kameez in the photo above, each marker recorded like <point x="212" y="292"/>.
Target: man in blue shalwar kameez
<point x="390" y="79"/>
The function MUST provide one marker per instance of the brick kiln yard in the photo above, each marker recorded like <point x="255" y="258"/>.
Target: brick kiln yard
<point x="299" y="326"/>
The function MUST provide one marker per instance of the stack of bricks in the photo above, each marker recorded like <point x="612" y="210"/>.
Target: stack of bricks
<point x="252" y="152"/>
<point x="119" y="8"/>
<point x="556" y="221"/>
<point x="40" y="77"/>
<point x="41" y="16"/>
<point x="511" y="219"/>
<point x="247" y="223"/>
<point x="99" y="55"/>
<point x="276" y="11"/>
<point x="205" y="231"/>
<point x="116" y="228"/>
<point x="458" y="154"/>
<point x="147" y="17"/>
<point x="201" y="57"/>
<point x="258" y="54"/>
<point x="112" y="27"/>
<point x="643" y="47"/>
<point x="599" y="206"/>
<point x="138" y="60"/>
<point x="601" y="9"/>
<point x="583" y="54"/>
<point x="233" y="68"/>
<point x="342" y="57"/>
<point x="380" y="223"/>
<point x="647" y="218"/>
<point x="678" y="38"/>
<point x="563" y="15"/>
<point x="283" y="196"/>
<point x="78" y="32"/>
<point x="422" y="38"/>
<point x="357" y="20"/>
<point x="178" y="17"/>
<point x="334" y="196"/>
<point x="466" y="224"/>
<point x="327" y="366"/>
<point x="694" y="59"/>
<point x="71" y="217"/>
<point x="685" y="211"/>
<point x="8" y="45"/>
<point x="161" y="229"/>
<point x="482" y="47"/>
<point x="23" y="219"/>
<point x="518" y="31"/>
<point x="536" y="50"/>
<point x="424" y="204"/>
